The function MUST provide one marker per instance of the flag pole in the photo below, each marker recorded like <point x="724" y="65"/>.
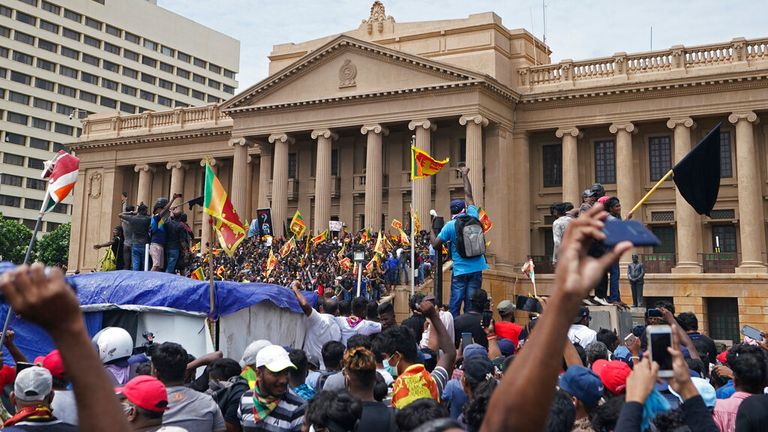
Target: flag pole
<point x="650" y="192"/>
<point x="413" y="209"/>
<point x="212" y="287"/>
<point x="26" y="260"/>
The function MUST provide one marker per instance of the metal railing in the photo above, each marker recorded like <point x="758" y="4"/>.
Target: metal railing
<point x="723" y="262"/>
<point x="658" y="262"/>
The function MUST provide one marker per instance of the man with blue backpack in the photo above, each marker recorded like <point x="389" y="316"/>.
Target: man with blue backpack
<point x="464" y="232"/>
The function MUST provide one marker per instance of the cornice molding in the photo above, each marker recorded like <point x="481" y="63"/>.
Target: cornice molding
<point x="149" y="138"/>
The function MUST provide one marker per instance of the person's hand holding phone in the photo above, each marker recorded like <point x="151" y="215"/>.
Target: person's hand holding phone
<point x="681" y="379"/>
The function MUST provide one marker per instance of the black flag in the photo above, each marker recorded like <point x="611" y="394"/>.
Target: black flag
<point x="697" y="175"/>
<point x="195" y="201"/>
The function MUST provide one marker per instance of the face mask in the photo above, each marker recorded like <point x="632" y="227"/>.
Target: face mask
<point x="392" y="370"/>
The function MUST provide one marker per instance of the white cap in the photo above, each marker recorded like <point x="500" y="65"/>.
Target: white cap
<point x="275" y="358"/>
<point x="249" y="355"/>
<point x="33" y="384"/>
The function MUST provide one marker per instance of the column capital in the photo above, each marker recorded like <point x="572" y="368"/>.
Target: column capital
<point x="422" y="123"/>
<point x="473" y="118"/>
<point x="325" y="133"/>
<point x="176" y="165"/>
<point x="212" y="162"/>
<point x="144" y="167"/>
<point x="681" y="121"/>
<point x="375" y="128"/>
<point x="572" y="131"/>
<point x="282" y="137"/>
<point x="241" y="141"/>
<point x="628" y="127"/>
<point x="749" y="116"/>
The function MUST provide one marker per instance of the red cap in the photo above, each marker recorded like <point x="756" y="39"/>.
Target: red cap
<point x="145" y="392"/>
<point x="53" y="363"/>
<point x="613" y="374"/>
<point x="722" y="357"/>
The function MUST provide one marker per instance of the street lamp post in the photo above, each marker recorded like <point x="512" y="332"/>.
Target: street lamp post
<point x="358" y="253"/>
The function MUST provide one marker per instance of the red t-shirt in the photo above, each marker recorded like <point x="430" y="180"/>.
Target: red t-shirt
<point x="508" y="330"/>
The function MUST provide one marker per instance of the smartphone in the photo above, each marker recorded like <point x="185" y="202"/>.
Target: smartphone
<point x="630" y="339"/>
<point x="659" y="339"/>
<point x="438" y="222"/>
<point x="20" y="366"/>
<point x="617" y="231"/>
<point x="752" y="333"/>
<point x="487" y="316"/>
<point x="653" y="313"/>
<point x="466" y="339"/>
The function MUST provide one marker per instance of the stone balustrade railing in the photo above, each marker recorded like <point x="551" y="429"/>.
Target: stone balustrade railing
<point x="179" y="118"/>
<point x="633" y="65"/>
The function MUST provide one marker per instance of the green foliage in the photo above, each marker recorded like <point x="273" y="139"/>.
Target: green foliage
<point x="53" y="248"/>
<point x="14" y="239"/>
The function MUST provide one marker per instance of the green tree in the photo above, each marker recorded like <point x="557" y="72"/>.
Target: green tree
<point x="53" y="248"/>
<point x="14" y="239"/>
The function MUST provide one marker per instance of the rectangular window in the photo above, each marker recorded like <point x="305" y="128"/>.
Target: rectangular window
<point x="51" y="226"/>
<point x="165" y="84"/>
<point x="184" y="57"/>
<point x="6" y="11"/>
<point x="22" y="58"/>
<point x="108" y="102"/>
<point x="32" y="204"/>
<point x="165" y="67"/>
<point x="92" y="41"/>
<point x="64" y="129"/>
<point x="180" y="104"/>
<point x="335" y="162"/>
<point x="24" y="38"/>
<point x="92" y="23"/>
<point x="167" y="51"/>
<point x="114" y="31"/>
<point x="17" y="118"/>
<point x="46" y="45"/>
<point x="49" y="26"/>
<point x="552" y="159"/>
<point x="199" y="62"/>
<point x="162" y="100"/>
<point x="10" y="201"/>
<point x="198" y="95"/>
<point x="229" y="89"/>
<point x="43" y="104"/>
<point x="74" y="16"/>
<point x="68" y="71"/>
<point x="67" y="91"/>
<point x="91" y="60"/>
<point x="87" y="97"/>
<point x="35" y="163"/>
<point x="38" y="143"/>
<point x="71" y="34"/>
<point x="213" y="68"/>
<point x="36" y="184"/>
<point x="214" y="84"/>
<point x="46" y="65"/>
<point x="11" y="180"/>
<point x="112" y="48"/>
<point x="109" y="84"/>
<point x="44" y="84"/>
<point x="13" y="159"/>
<point x="147" y="96"/>
<point x="25" y="18"/>
<point x="5" y="32"/>
<point x="58" y="146"/>
<point x="292" y="165"/>
<point x="112" y="67"/>
<point x="725" y="235"/>
<point x="181" y="89"/>
<point x="50" y="7"/>
<point x="17" y="97"/>
<point x="198" y="78"/>
<point x="149" y="61"/>
<point x="64" y="109"/>
<point x="20" y="78"/>
<point x="89" y="78"/>
<point x="127" y="108"/>
<point x="130" y="37"/>
<point x="659" y="156"/>
<point x="61" y="208"/>
<point x="726" y="165"/>
<point x="29" y="223"/>
<point x="182" y="73"/>
<point x="605" y="161"/>
<point x="148" y="44"/>
<point x="229" y="74"/>
<point x="4" y="52"/>
<point x="30" y="2"/>
<point x="147" y="78"/>
<point x="130" y="91"/>
<point x="130" y="55"/>
<point x="213" y="99"/>
<point x="14" y="138"/>
<point x="39" y="123"/>
<point x="723" y="318"/>
<point x="130" y="73"/>
<point x="69" y="52"/>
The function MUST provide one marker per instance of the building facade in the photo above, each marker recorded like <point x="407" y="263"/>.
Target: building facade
<point x="62" y="60"/>
<point x="329" y="132"/>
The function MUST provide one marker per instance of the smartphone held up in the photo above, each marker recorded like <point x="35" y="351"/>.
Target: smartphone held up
<point x="659" y="341"/>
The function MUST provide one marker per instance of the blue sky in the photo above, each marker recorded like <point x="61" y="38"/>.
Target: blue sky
<point x="575" y="29"/>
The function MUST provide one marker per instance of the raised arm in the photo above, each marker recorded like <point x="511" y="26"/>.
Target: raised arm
<point x="167" y="207"/>
<point x="444" y="340"/>
<point x="468" y="197"/>
<point x="16" y="353"/>
<point x="305" y="306"/>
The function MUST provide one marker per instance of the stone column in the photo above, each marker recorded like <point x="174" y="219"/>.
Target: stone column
<point x="422" y="197"/>
<point x="751" y="218"/>
<point x="373" y="174"/>
<point x="145" y="184"/>
<point x="239" y="190"/>
<point x="474" y="135"/>
<point x="177" y="177"/>
<point x="280" y="182"/>
<point x="265" y="171"/>
<point x="625" y="173"/>
<point x="205" y="228"/>
<point x="520" y="207"/>
<point x="323" y="178"/>
<point x="571" y="186"/>
<point x="686" y="219"/>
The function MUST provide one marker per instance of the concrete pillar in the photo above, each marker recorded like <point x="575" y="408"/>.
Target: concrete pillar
<point x="688" y="224"/>
<point x="145" y="184"/>
<point x="751" y="218"/>
<point x="475" y="124"/>
<point x="422" y="197"/>
<point x="323" y="178"/>
<point x="205" y="228"/>
<point x="239" y="189"/>
<point x="280" y="182"/>
<point x="265" y="172"/>
<point x="500" y="194"/>
<point x="626" y="183"/>
<point x="177" y="177"/>
<point x="373" y="174"/>
<point x="520" y="207"/>
<point x="571" y="186"/>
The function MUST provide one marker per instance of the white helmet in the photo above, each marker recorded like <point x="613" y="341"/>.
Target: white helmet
<point x="113" y="343"/>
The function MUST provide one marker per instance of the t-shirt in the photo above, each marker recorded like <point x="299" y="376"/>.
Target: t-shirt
<point x="461" y="265"/>
<point x="192" y="410"/>
<point x="337" y="383"/>
<point x="470" y="323"/>
<point x="288" y="416"/>
<point x="321" y="328"/>
<point x="51" y="424"/>
<point x="350" y="327"/>
<point x="416" y="383"/>
<point x="137" y="229"/>
<point x="64" y="406"/>
<point x="415" y="323"/>
<point x="228" y="399"/>
<point x="454" y="397"/>
<point x="173" y="233"/>
<point x="377" y="417"/>
<point x="158" y="229"/>
<point x="508" y="330"/>
<point x="447" y="319"/>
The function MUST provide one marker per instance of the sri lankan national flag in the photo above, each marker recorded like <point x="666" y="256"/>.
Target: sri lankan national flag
<point x="416" y="223"/>
<point x="217" y="204"/>
<point x="198" y="274"/>
<point x="345" y="263"/>
<point x="316" y="240"/>
<point x="484" y="220"/>
<point x="379" y="247"/>
<point x="396" y="224"/>
<point x="286" y="248"/>
<point x="423" y="165"/>
<point x="271" y="262"/>
<point x="298" y="226"/>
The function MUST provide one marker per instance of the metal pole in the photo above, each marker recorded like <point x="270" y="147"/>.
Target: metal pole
<point x="437" y="273"/>
<point x="413" y="243"/>
<point x="146" y="257"/>
<point x="212" y="288"/>
<point x="359" y="276"/>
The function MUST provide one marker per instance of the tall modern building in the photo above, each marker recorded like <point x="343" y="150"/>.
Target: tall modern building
<point x="62" y="60"/>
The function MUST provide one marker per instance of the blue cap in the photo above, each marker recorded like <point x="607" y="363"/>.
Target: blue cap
<point x="473" y="350"/>
<point x="583" y="384"/>
<point x="457" y="206"/>
<point x="506" y="346"/>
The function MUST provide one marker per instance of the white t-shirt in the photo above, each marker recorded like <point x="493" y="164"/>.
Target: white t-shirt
<point x="363" y="327"/>
<point x="321" y="328"/>
<point x="447" y="319"/>
<point x="581" y="334"/>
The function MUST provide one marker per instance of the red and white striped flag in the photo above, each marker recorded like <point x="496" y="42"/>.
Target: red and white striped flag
<point x="61" y="173"/>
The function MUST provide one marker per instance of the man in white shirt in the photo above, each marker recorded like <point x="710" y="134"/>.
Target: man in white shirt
<point x="355" y="324"/>
<point x="579" y="332"/>
<point x="321" y="326"/>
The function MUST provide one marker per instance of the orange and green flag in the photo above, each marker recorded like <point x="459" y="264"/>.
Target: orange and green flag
<point x="379" y="247"/>
<point x="423" y="165"/>
<point x="298" y="226"/>
<point x="217" y="204"/>
<point x="271" y="262"/>
<point x="396" y="224"/>
<point x="484" y="220"/>
<point x="198" y="274"/>
<point x="286" y="248"/>
<point x="345" y="263"/>
<point x="316" y="240"/>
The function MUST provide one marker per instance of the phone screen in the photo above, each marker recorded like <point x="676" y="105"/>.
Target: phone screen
<point x="487" y="317"/>
<point x="659" y="344"/>
<point x="752" y="333"/>
<point x="466" y="339"/>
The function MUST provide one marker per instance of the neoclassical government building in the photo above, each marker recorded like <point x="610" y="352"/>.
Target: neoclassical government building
<point x="329" y="133"/>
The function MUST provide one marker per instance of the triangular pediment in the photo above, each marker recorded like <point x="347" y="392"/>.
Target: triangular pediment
<point x="348" y="67"/>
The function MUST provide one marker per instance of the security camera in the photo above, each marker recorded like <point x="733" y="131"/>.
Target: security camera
<point x="71" y="115"/>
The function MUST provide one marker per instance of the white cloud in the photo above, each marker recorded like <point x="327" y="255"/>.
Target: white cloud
<point x="575" y="29"/>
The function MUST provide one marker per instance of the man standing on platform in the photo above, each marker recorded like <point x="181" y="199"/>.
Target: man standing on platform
<point x="467" y="274"/>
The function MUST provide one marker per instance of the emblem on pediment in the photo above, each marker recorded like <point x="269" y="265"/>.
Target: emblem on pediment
<point x="94" y="185"/>
<point x="378" y="19"/>
<point x="377" y="12"/>
<point x="347" y="74"/>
